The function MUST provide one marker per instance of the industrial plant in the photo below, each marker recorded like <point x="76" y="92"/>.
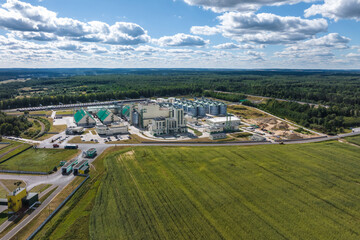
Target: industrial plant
<point x="156" y="118"/>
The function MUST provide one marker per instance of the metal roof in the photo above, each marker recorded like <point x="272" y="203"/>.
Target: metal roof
<point x="103" y="114"/>
<point x="81" y="114"/>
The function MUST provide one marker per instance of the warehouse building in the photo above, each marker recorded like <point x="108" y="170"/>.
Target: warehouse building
<point x="112" y="129"/>
<point x="106" y="116"/>
<point x="83" y="118"/>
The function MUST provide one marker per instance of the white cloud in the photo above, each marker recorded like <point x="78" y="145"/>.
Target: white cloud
<point x="20" y="16"/>
<point x="204" y="30"/>
<point x="237" y="46"/>
<point x="240" y="5"/>
<point x="267" y="28"/>
<point x="181" y="40"/>
<point x="336" y="9"/>
<point x="317" y="49"/>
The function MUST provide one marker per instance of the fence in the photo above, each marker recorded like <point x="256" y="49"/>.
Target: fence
<point x="57" y="209"/>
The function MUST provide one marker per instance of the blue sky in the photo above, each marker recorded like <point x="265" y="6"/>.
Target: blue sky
<point x="180" y="33"/>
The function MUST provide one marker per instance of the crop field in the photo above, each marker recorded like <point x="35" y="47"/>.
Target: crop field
<point x="307" y="191"/>
<point x="354" y="140"/>
<point x="261" y="192"/>
<point x="42" y="160"/>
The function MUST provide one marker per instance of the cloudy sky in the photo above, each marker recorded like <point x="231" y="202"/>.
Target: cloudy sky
<point x="180" y="33"/>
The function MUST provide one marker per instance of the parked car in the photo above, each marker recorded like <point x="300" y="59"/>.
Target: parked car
<point x="55" y="145"/>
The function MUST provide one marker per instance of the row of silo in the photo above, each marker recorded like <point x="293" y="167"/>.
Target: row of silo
<point x="201" y="107"/>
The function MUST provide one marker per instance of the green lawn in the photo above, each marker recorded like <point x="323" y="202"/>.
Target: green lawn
<point x="354" y="140"/>
<point x="12" y="149"/>
<point x="305" y="191"/>
<point x="42" y="160"/>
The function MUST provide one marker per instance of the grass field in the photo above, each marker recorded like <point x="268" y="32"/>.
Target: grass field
<point x="65" y="112"/>
<point x="42" y="160"/>
<point x="245" y="112"/>
<point x="354" y="140"/>
<point x="12" y="149"/>
<point x="307" y="191"/>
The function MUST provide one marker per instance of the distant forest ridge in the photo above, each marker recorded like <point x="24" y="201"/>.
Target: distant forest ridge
<point x="11" y="73"/>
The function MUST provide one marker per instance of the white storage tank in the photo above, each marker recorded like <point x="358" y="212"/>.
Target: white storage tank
<point x="135" y="118"/>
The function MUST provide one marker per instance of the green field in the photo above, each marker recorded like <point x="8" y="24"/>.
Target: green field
<point x="41" y="160"/>
<point x="306" y="191"/>
<point x="354" y="140"/>
<point x="12" y="149"/>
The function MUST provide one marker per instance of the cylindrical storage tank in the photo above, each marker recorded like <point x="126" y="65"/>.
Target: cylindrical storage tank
<point x="223" y="109"/>
<point x="135" y="118"/>
<point x="214" y="109"/>
<point x="207" y="107"/>
<point x="201" y="111"/>
<point x="192" y="111"/>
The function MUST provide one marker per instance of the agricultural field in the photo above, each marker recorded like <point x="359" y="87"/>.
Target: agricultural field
<point x="354" y="140"/>
<point x="40" y="160"/>
<point x="257" y="192"/>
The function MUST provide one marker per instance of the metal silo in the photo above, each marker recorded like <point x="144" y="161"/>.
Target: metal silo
<point x="223" y="109"/>
<point x="201" y="110"/>
<point x="214" y="109"/>
<point x="135" y="118"/>
<point x="192" y="110"/>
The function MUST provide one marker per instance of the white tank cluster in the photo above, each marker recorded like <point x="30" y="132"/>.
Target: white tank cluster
<point x="201" y="107"/>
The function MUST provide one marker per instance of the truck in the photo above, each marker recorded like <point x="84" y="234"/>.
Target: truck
<point x="71" y="146"/>
<point x="55" y="145"/>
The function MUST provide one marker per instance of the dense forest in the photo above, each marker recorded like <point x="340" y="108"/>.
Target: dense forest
<point x="13" y="125"/>
<point x="338" y="90"/>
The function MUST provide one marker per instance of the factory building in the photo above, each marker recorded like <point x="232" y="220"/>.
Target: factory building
<point x="228" y="123"/>
<point x="145" y="112"/>
<point x="106" y="116"/>
<point x="113" y="129"/>
<point x="83" y="118"/>
<point x="175" y="123"/>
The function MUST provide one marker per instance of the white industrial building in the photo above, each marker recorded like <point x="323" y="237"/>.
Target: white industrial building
<point x="229" y="122"/>
<point x="112" y="129"/>
<point x="148" y="111"/>
<point x="175" y="123"/>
